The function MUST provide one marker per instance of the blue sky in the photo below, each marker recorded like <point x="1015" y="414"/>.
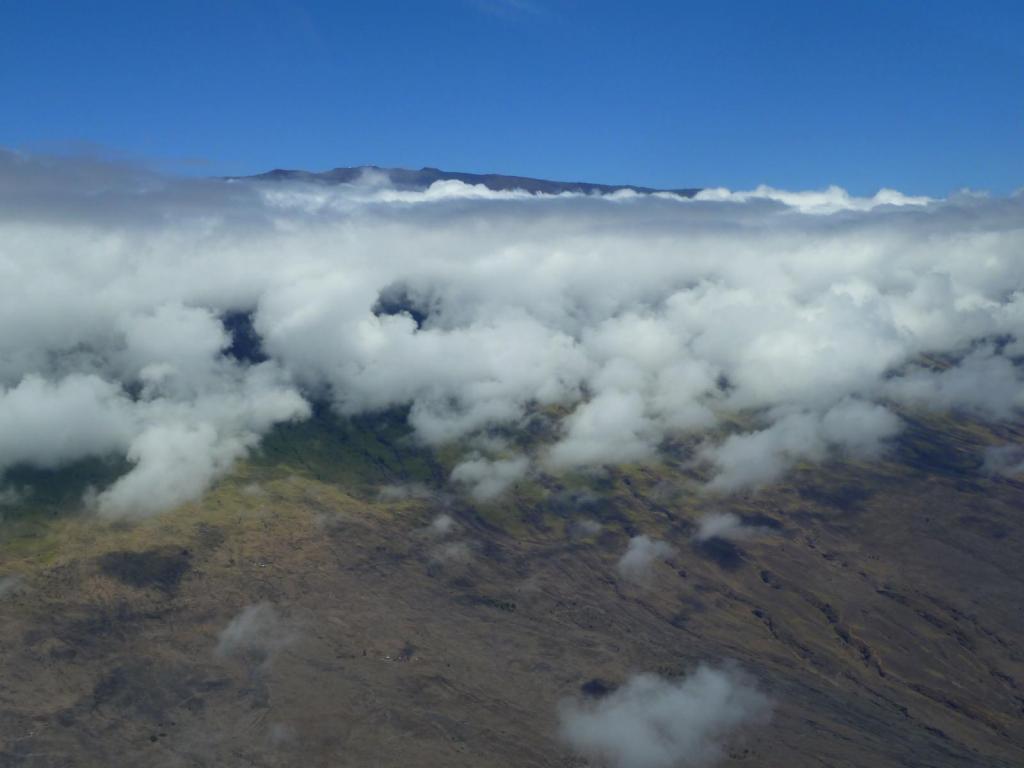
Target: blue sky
<point x="926" y="97"/>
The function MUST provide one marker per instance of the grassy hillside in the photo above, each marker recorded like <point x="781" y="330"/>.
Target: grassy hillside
<point x="880" y="605"/>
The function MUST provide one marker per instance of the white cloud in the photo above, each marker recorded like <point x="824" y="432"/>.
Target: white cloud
<point x="487" y="478"/>
<point x="452" y="552"/>
<point x="723" y="525"/>
<point x="173" y="463"/>
<point x="46" y="423"/>
<point x="612" y="428"/>
<point x="984" y="382"/>
<point x="651" y="722"/>
<point x="1004" y="460"/>
<point x="627" y="318"/>
<point x="441" y="525"/>
<point x="257" y="633"/>
<point x="184" y="446"/>
<point x="637" y="563"/>
<point x="830" y="200"/>
<point x="753" y="459"/>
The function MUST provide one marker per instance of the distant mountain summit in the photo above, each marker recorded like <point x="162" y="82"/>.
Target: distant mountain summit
<point x="418" y="180"/>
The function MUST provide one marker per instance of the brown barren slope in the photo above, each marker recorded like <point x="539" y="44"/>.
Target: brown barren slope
<point x="882" y="609"/>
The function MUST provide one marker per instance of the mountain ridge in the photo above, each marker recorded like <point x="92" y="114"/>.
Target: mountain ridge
<point x="420" y="179"/>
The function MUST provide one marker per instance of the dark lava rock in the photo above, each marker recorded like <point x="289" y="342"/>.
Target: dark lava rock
<point x="597" y="688"/>
<point x="724" y="553"/>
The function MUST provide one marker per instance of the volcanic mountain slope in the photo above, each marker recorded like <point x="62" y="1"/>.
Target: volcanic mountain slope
<point x="331" y="603"/>
<point x="409" y="179"/>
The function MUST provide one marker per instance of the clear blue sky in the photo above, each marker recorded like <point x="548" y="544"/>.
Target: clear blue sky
<point x="925" y="96"/>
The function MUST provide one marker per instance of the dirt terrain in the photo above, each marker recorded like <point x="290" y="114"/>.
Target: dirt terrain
<point x="880" y="606"/>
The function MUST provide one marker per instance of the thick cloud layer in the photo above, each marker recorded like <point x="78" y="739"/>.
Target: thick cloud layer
<point x="630" y="318"/>
<point x="651" y="722"/>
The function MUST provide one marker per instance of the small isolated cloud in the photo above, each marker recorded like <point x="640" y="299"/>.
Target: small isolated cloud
<point x="257" y="633"/>
<point x="452" y="552"/>
<point x="443" y="548"/>
<point x="10" y="496"/>
<point x="403" y="492"/>
<point x="487" y="479"/>
<point x="583" y="529"/>
<point x="651" y="722"/>
<point x="9" y="584"/>
<point x="1003" y="460"/>
<point x="725" y="525"/>
<point x="253" y="490"/>
<point x="643" y="552"/>
<point x="441" y="525"/>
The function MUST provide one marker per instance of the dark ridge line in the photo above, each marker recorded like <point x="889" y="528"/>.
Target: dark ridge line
<point x="418" y="180"/>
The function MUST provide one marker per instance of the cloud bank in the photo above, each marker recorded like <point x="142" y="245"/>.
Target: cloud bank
<point x="651" y="722"/>
<point x="626" y="318"/>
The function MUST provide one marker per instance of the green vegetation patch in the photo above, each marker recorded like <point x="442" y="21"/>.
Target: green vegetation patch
<point x="359" y="453"/>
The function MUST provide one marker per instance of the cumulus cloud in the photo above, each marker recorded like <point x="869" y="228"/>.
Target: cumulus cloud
<point x="488" y="478"/>
<point x="47" y="423"/>
<point x="627" y="319"/>
<point x="257" y="633"/>
<point x="611" y="428"/>
<point x="651" y="722"/>
<point x="441" y="525"/>
<point x="724" y="525"/>
<point x="753" y="459"/>
<point x="637" y="563"/>
<point x="1004" y="460"/>
<point x="443" y="543"/>
<point x="960" y="386"/>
